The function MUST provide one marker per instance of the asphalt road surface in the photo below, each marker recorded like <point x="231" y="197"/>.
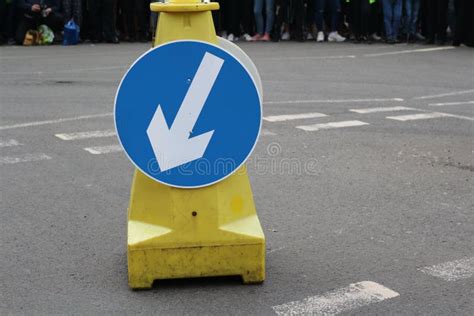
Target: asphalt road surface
<point x="365" y="194"/>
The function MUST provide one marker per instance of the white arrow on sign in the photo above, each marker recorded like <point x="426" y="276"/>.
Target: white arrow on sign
<point x="173" y="146"/>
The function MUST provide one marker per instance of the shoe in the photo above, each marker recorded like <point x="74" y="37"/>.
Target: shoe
<point x="309" y="36"/>
<point x="113" y="40"/>
<point x="285" y="36"/>
<point x="247" y="37"/>
<point x="419" y="37"/>
<point x="375" y="37"/>
<point x="265" y="38"/>
<point x="256" y="37"/>
<point x="142" y="38"/>
<point x="391" y="41"/>
<point x="320" y="37"/>
<point x="429" y="41"/>
<point x="335" y="37"/>
<point x="231" y="37"/>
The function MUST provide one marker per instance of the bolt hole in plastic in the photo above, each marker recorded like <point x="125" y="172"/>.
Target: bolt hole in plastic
<point x="194" y="213"/>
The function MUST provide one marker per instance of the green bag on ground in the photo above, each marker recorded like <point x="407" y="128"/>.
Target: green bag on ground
<point x="46" y="35"/>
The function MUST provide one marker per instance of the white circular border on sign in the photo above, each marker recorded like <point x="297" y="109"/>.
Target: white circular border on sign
<point x="245" y="60"/>
<point x="259" y="93"/>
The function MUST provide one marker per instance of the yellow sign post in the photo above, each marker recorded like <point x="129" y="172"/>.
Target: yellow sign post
<point x="184" y="233"/>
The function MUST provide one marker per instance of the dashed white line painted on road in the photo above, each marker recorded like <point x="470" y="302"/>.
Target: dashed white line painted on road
<point x="290" y="117"/>
<point x="452" y="103"/>
<point x="305" y="58"/>
<point x="382" y="109"/>
<point x="338" y="301"/>
<point x="453" y="270"/>
<point x="266" y="132"/>
<point x="24" y="158"/>
<point x="86" y="135"/>
<point x="99" y="150"/>
<point x="421" y="116"/>
<point x="434" y="96"/>
<point x="9" y="143"/>
<point x="61" y="120"/>
<point x="411" y="51"/>
<point x="317" y="127"/>
<point x="336" y="101"/>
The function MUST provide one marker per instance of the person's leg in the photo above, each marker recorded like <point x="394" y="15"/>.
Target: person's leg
<point x="319" y="14"/>
<point x="442" y="19"/>
<point x="354" y="19"/>
<point x="109" y="11"/>
<point x="408" y="5"/>
<point x="257" y="11"/>
<point x="416" y="13"/>
<point x="236" y="18"/>
<point x="26" y="23"/>
<point x="388" y="18"/>
<point x="96" y="20"/>
<point x="269" y="15"/>
<point x="143" y="19"/>
<point x="67" y="9"/>
<point x="247" y="17"/>
<point x="54" y="21"/>
<point x="397" y="16"/>
<point x="335" y="7"/>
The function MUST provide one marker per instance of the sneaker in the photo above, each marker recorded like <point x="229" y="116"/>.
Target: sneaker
<point x="285" y="36"/>
<point x="320" y="37"/>
<point x="231" y="37"/>
<point x="335" y="37"/>
<point x="256" y="37"/>
<point x="375" y="37"/>
<point x="419" y="37"/>
<point x="265" y="37"/>
<point x="247" y="37"/>
<point x="309" y="36"/>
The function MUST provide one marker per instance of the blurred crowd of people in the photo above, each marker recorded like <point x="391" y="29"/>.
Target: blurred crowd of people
<point x="393" y="21"/>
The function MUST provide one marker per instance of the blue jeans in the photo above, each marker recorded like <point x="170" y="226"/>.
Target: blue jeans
<point x="319" y="6"/>
<point x="392" y="14"/>
<point x="412" y="9"/>
<point x="269" y="12"/>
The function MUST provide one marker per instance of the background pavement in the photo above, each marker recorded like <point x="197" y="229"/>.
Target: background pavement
<point x="385" y="196"/>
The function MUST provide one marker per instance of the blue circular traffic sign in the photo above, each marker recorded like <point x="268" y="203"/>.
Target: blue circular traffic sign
<point x="188" y="114"/>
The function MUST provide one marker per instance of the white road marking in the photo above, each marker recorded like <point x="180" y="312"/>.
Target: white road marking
<point x="9" y="143"/>
<point x="99" y="150"/>
<point x="290" y="117"/>
<point x="336" y="101"/>
<point x="317" y="127"/>
<point x="452" y="103"/>
<point x="266" y="132"/>
<point x="305" y="58"/>
<point x="84" y="117"/>
<point x="443" y="95"/>
<point x="411" y="51"/>
<point x="67" y="71"/>
<point x="428" y="116"/>
<point x="61" y="120"/>
<point x="383" y="109"/>
<point x="421" y="116"/>
<point x="453" y="270"/>
<point x="338" y="301"/>
<point x="86" y="135"/>
<point x="24" y="158"/>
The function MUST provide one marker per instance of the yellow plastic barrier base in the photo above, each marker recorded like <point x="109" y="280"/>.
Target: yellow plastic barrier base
<point x="166" y="263"/>
<point x="177" y="233"/>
